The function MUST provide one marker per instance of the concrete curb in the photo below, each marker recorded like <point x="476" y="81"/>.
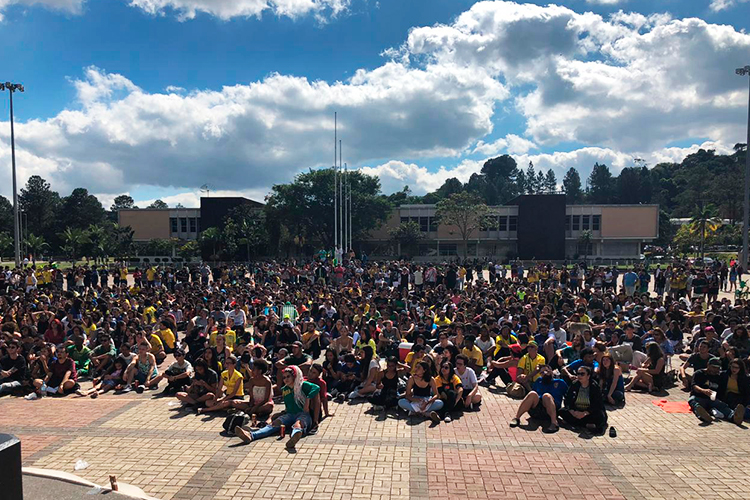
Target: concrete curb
<point x="123" y="488"/>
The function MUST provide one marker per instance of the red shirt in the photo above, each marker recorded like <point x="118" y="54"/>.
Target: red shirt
<point x="323" y="386"/>
<point x="58" y="369"/>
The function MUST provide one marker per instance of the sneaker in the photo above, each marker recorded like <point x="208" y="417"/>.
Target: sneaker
<point x="127" y="388"/>
<point x="292" y="443"/>
<point x="31" y="397"/>
<point x="447" y="419"/>
<point x="340" y="398"/>
<point x="739" y="414"/>
<point x="717" y="414"/>
<point x="434" y="417"/>
<point x="703" y="414"/>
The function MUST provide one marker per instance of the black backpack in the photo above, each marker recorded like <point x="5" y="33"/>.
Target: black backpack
<point x="235" y="420"/>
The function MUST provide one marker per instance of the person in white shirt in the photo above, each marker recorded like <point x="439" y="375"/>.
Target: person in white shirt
<point x="471" y="396"/>
<point x="237" y="315"/>
<point x="561" y="336"/>
<point x="418" y="278"/>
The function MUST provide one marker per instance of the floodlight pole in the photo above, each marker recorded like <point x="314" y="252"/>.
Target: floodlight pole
<point x="12" y="87"/>
<point x="746" y="216"/>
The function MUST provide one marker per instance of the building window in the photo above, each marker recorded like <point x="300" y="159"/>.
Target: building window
<point x="512" y="223"/>
<point x="424" y="224"/>
<point x="193" y="225"/>
<point x="585" y="220"/>
<point x="596" y="222"/>
<point x="433" y="224"/>
<point x="173" y="224"/>
<point x="448" y="249"/>
<point x="576" y="223"/>
<point x="183" y="225"/>
<point x="567" y="222"/>
<point x="503" y="223"/>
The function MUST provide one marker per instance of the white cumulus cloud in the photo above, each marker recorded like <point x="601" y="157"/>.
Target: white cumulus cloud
<point x="228" y="9"/>
<point x="70" y="6"/>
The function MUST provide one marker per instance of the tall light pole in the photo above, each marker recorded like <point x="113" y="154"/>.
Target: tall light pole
<point x="746" y="219"/>
<point x="12" y="87"/>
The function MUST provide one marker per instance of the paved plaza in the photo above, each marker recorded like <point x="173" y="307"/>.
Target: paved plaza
<point x="171" y="454"/>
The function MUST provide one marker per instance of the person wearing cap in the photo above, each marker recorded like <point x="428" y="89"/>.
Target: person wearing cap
<point x="530" y="365"/>
<point x="706" y="385"/>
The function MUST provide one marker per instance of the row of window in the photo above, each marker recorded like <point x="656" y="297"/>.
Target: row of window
<point x="500" y="223"/>
<point x="184" y="224"/>
<point x="583" y="222"/>
<point x="426" y="224"/>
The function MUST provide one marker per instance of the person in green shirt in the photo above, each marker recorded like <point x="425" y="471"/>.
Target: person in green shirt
<point x="103" y="355"/>
<point x="81" y="355"/>
<point x="299" y="396"/>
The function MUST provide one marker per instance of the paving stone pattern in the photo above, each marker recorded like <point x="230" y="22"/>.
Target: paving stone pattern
<point x="359" y="454"/>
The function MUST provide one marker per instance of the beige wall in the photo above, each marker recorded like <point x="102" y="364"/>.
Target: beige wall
<point x="146" y="224"/>
<point x="630" y="222"/>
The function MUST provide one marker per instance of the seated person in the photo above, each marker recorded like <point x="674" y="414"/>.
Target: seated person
<point x="696" y="361"/>
<point x="471" y="395"/>
<point x="62" y="376"/>
<point x="530" y="366"/>
<point x="319" y="410"/>
<point x="166" y="336"/>
<point x="81" y="355"/>
<point x="611" y="380"/>
<point x="12" y="368"/>
<point x="142" y="370"/>
<point x="386" y="395"/>
<point x="231" y="383"/>
<point x="549" y="392"/>
<point x="113" y="378"/>
<point x="296" y="358"/>
<point x="704" y="399"/>
<point x="421" y="395"/>
<point x="569" y="371"/>
<point x="583" y="403"/>
<point x="203" y="387"/>
<point x="103" y="355"/>
<point x="349" y="377"/>
<point x="474" y="353"/>
<point x="178" y="374"/>
<point x="734" y="388"/>
<point x="450" y="389"/>
<point x="299" y="396"/>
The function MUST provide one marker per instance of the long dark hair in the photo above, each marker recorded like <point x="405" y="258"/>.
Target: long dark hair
<point x="427" y="370"/>
<point x="365" y="364"/>
<point x="654" y="352"/>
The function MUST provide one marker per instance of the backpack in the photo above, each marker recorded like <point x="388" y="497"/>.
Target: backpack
<point x="238" y="419"/>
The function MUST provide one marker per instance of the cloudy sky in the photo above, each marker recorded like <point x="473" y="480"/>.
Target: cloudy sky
<point x="157" y="97"/>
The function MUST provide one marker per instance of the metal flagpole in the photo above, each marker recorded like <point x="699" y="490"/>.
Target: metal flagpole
<point x="349" y="202"/>
<point x="335" y="186"/>
<point x="341" y="200"/>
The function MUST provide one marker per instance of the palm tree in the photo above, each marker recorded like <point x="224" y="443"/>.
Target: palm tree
<point x="6" y="244"/>
<point x="211" y="236"/>
<point x="97" y="236"/>
<point x="704" y="220"/>
<point x="36" y="245"/>
<point x="74" y="239"/>
<point x="584" y="241"/>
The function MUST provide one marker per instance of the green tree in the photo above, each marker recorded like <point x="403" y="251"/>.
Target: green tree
<point x="532" y="185"/>
<point x="41" y="205"/>
<point x="6" y="245"/>
<point x="74" y="238"/>
<point x="189" y="250"/>
<point x="122" y="202"/>
<point x="306" y="206"/>
<point x="6" y="215"/>
<point x="572" y="187"/>
<point x="81" y="210"/>
<point x="584" y="243"/>
<point x="501" y="176"/>
<point x="98" y="241"/>
<point x="601" y="185"/>
<point x="704" y="222"/>
<point x="466" y="211"/>
<point x="407" y="235"/>
<point x="158" y="204"/>
<point x="210" y="238"/>
<point x="550" y="182"/>
<point x="36" y="245"/>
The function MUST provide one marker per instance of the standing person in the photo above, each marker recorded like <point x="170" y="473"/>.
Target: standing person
<point x="299" y="396"/>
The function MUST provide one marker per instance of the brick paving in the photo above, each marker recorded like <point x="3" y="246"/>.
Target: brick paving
<point x="358" y="454"/>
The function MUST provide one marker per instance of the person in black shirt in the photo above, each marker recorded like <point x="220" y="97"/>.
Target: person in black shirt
<point x="707" y="384"/>
<point x="12" y="368"/>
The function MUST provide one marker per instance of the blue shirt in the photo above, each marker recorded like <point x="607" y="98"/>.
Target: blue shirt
<point x="629" y="279"/>
<point x="573" y="367"/>
<point x="557" y="389"/>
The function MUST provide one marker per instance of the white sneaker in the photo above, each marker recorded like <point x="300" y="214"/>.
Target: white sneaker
<point x="447" y="419"/>
<point x="31" y="397"/>
<point x="717" y="414"/>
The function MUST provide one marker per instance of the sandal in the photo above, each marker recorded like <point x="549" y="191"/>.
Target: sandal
<point x="516" y="422"/>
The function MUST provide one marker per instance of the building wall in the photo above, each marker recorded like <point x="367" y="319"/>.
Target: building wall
<point x="146" y="224"/>
<point x="638" y="221"/>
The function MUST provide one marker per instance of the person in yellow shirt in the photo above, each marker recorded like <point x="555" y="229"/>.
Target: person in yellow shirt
<point x="150" y="276"/>
<point x="157" y="347"/>
<point x="414" y="357"/>
<point x="530" y="366"/>
<point x="231" y="383"/>
<point x="167" y="337"/>
<point x="450" y="389"/>
<point x="149" y="312"/>
<point x="442" y="320"/>
<point x="474" y="353"/>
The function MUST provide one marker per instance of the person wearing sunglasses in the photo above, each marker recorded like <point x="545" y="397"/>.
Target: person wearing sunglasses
<point x="299" y="397"/>
<point x="12" y="368"/>
<point x="583" y="403"/>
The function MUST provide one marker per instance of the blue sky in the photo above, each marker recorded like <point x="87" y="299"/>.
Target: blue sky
<point x="148" y="98"/>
